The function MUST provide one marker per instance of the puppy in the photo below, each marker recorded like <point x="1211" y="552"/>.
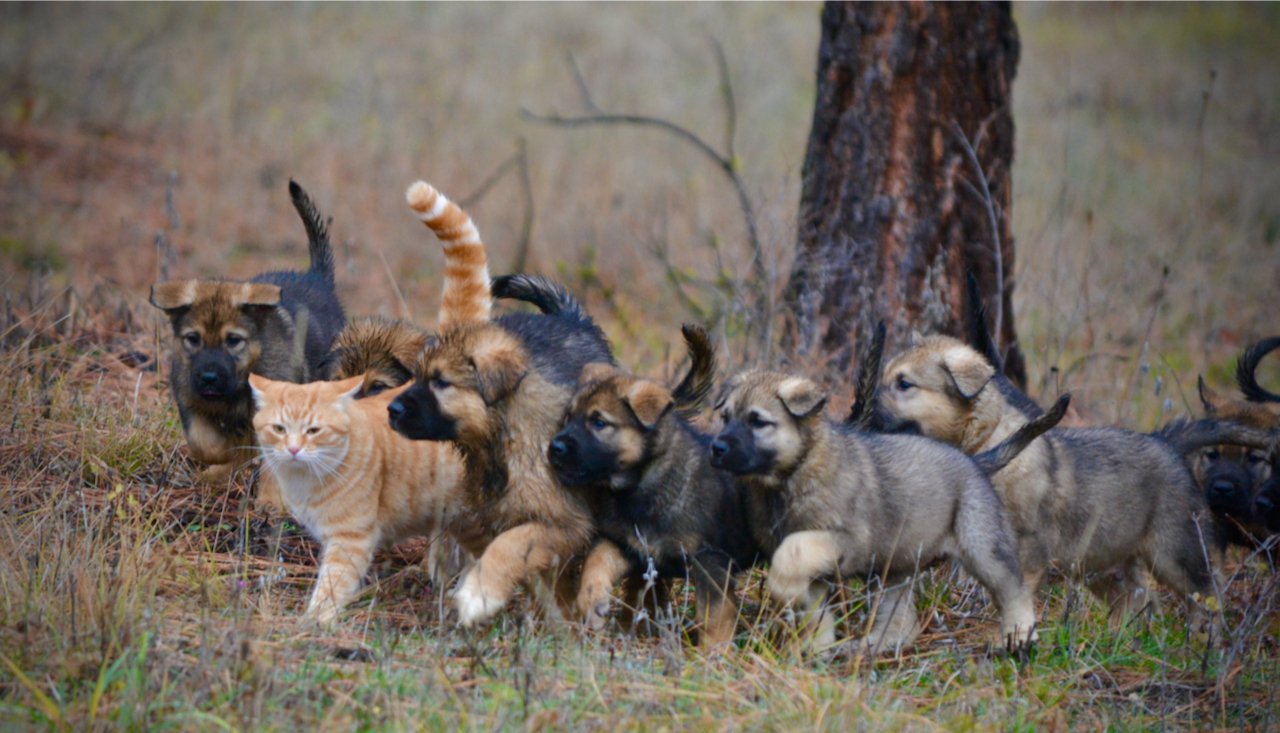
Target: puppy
<point x="279" y="325"/>
<point x="499" y="391"/>
<point x="828" y="501"/>
<point x="1090" y="499"/>
<point x="655" y="498"/>
<point x="1232" y="476"/>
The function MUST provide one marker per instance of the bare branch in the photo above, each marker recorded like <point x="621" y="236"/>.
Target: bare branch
<point x="526" y="227"/>
<point x="989" y="202"/>
<point x="583" y="90"/>
<point x="730" y="108"/>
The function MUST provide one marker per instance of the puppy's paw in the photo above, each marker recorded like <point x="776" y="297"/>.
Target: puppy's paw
<point x="474" y="604"/>
<point x="786" y="590"/>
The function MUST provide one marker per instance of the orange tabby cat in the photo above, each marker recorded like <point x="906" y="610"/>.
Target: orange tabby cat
<point x="352" y="481"/>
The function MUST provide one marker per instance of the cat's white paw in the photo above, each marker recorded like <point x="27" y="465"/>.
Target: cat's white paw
<point x="473" y="604"/>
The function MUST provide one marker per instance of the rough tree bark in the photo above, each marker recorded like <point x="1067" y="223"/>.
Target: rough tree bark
<point x="892" y="207"/>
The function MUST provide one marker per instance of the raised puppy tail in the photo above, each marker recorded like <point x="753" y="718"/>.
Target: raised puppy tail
<point x="1247" y="367"/>
<point x="466" y="297"/>
<point x="980" y="336"/>
<point x="318" y="244"/>
<point x="862" y="414"/>
<point x="690" y="394"/>
<point x="548" y="296"/>
<point x="1187" y="436"/>
<point x="998" y="457"/>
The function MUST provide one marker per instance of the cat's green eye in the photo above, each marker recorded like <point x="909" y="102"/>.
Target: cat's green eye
<point x="278" y="428"/>
<point x="312" y="430"/>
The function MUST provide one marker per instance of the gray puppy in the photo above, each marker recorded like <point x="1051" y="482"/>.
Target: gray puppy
<point x="829" y="501"/>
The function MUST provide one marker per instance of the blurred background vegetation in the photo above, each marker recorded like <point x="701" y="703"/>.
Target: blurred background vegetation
<point x="1146" y="178"/>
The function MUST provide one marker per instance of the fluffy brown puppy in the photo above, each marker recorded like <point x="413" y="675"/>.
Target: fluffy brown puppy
<point x="499" y="393"/>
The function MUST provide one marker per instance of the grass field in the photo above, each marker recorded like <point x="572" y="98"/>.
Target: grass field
<point x="1146" y="217"/>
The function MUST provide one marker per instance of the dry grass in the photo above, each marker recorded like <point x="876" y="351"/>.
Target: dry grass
<point x="130" y="600"/>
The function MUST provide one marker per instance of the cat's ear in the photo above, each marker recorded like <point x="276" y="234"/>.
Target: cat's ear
<point x="348" y="388"/>
<point x="258" y="385"/>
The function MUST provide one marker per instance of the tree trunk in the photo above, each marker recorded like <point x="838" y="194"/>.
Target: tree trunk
<point x="892" y="207"/>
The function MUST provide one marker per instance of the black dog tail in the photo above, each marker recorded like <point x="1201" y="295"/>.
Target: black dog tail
<point x="1247" y="367"/>
<point x="868" y="381"/>
<point x="980" y="336"/>
<point x="998" y="457"/>
<point x="548" y="296"/>
<point x="1187" y="436"/>
<point x="317" y="231"/>
<point x="692" y="391"/>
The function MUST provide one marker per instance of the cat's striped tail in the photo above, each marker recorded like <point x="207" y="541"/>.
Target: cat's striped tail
<point x="466" y="297"/>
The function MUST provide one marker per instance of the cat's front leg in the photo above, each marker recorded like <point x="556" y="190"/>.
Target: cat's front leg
<point x="512" y="557"/>
<point x="345" y="560"/>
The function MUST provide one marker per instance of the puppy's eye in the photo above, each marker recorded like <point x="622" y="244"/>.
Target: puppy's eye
<point x="279" y="429"/>
<point x="233" y="341"/>
<point x="313" y="430"/>
<point x="1212" y="454"/>
<point x="755" y="421"/>
<point x="439" y="383"/>
<point x="1253" y="459"/>
<point x="903" y="384"/>
<point x="598" y="423"/>
<point x="376" y="387"/>
<point x="192" y="340"/>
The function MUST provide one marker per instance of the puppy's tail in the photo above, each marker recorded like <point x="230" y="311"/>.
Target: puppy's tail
<point x="466" y="297"/>
<point x="998" y="457"/>
<point x="1247" y="367"/>
<point x="1187" y="436"/>
<point x="692" y="391"/>
<point x="980" y="336"/>
<point x="869" y="367"/>
<point x="318" y="244"/>
<point x="548" y="296"/>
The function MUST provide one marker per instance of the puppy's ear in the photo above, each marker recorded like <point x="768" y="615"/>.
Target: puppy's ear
<point x="648" y="402"/>
<point x="173" y="295"/>
<point x="499" y="370"/>
<point x="800" y="396"/>
<point x="596" y="371"/>
<point x="968" y="370"/>
<point x="1209" y="398"/>
<point x="256" y="294"/>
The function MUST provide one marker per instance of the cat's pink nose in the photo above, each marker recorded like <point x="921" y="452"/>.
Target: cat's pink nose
<point x="294" y="449"/>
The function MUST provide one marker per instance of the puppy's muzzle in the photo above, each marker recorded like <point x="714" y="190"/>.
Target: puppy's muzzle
<point x="561" y="450"/>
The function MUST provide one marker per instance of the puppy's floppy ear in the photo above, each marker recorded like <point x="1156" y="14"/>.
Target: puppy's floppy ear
<point x="500" y="367"/>
<point x="173" y="295"/>
<point x="648" y="402"/>
<point x="968" y="370"/>
<point x="1209" y="398"/>
<point x="256" y="294"/>
<point x="800" y="396"/>
<point x="596" y="371"/>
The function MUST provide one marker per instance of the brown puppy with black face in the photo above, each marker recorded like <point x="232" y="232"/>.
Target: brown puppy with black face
<point x="279" y="325"/>
<point x="1095" y="500"/>
<point x="656" y="500"/>
<point x="499" y="393"/>
<point x="829" y="501"/>
<point x="1232" y="476"/>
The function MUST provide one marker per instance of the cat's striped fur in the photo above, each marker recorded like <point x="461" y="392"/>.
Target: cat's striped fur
<point x="466" y="297"/>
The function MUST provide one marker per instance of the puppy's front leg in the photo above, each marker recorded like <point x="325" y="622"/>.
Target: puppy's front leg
<point x="605" y="566"/>
<point x="513" y="556"/>
<point x="799" y="561"/>
<point x="343" y="564"/>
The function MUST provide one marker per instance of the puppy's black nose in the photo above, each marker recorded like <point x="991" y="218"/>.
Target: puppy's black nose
<point x="559" y="447"/>
<point x="719" y="447"/>
<point x="395" y="410"/>
<point x="209" y="378"/>
<point x="1224" y="487"/>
